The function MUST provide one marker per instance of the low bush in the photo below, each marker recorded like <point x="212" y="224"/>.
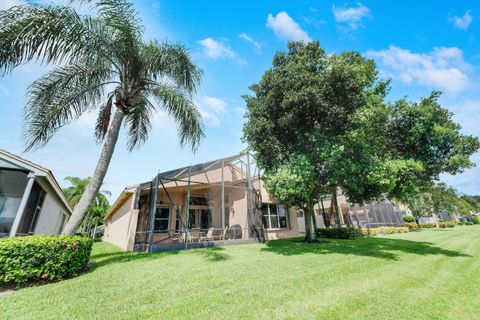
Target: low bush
<point x="451" y="224"/>
<point x="476" y="219"/>
<point x="30" y="258"/>
<point x="339" y="233"/>
<point x="382" y="230"/>
<point x="427" y="225"/>
<point x="411" y="226"/>
<point x="408" y="218"/>
<point x="469" y="223"/>
<point x="442" y="225"/>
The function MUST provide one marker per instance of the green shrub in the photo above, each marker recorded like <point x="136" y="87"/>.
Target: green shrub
<point x="411" y="226"/>
<point x="427" y="225"/>
<point x="365" y="232"/>
<point x="476" y="219"/>
<point x="339" y="233"/>
<point x="469" y="223"/>
<point x="451" y="224"/>
<point x="29" y="258"/>
<point x="408" y="218"/>
<point x="442" y="225"/>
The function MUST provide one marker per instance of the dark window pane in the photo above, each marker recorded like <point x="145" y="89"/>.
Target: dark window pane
<point x="273" y="222"/>
<point x="264" y="209"/>
<point x="161" y="225"/>
<point x="283" y="222"/>
<point x="192" y="219"/>
<point x="162" y="213"/>
<point x="273" y="210"/>
<point x="265" y="222"/>
<point x="281" y="210"/>
<point x="199" y="201"/>
<point x="206" y="219"/>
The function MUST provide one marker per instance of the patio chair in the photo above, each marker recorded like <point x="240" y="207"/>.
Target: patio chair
<point x="209" y="235"/>
<point x="194" y="235"/>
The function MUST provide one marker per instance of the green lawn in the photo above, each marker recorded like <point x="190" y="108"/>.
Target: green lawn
<point x="433" y="274"/>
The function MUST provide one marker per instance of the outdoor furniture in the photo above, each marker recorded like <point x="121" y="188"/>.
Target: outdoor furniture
<point x="209" y="235"/>
<point x="195" y="235"/>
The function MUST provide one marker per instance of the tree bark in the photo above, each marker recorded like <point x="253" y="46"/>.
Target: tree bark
<point x="337" y="209"/>
<point x="309" y="229"/>
<point x="98" y="175"/>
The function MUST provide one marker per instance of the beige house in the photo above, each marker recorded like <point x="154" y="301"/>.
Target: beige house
<point x="215" y="203"/>
<point x="31" y="201"/>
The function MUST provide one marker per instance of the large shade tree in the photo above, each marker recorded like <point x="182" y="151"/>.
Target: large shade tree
<point x="98" y="61"/>
<point x="330" y="111"/>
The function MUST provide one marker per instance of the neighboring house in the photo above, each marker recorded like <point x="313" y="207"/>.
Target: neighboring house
<point x="374" y="214"/>
<point x="217" y="202"/>
<point x="31" y="201"/>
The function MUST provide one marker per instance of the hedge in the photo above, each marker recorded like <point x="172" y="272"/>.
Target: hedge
<point x="408" y="218"/>
<point x="448" y="224"/>
<point x="411" y="226"/>
<point x="339" y="233"/>
<point x="427" y="225"/>
<point x="48" y="258"/>
<point x="382" y="230"/>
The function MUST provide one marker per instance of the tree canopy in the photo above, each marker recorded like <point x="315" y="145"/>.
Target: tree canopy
<point x="98" y="61"/>
<point x="331" y="111"/>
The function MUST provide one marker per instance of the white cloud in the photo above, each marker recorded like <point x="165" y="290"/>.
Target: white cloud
<point x="462" y="22"/>
<point x="217" y="49"/>
<point x="350" y="19"/>
<point x="247" y="38"/>
<point x="215" y="104"/>
<point x="442" y="68"/>
<point x="211" y="109"/>
<point x="7" y="4"/>
<point x="285" y="27"/>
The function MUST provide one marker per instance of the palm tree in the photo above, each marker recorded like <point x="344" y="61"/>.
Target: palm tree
<point x="98" y="61"/>
<point x="99" y="206"/>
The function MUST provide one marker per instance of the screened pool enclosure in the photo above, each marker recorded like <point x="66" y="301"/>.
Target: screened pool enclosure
<point x="212" y="203"/>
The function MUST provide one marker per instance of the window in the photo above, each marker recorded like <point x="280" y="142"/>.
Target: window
<point x="226" y="202"/>
<point x="274" y="216"/>
<point x="161" y="219"/>
<point x="200" y="219"/>
<point x="177" y="221"/>
<point x="199" y="201"/>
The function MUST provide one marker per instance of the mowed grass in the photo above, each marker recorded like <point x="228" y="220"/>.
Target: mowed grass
<point x="425" y="275"/>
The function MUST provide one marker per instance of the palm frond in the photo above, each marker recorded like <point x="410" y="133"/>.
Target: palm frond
<point x="138" y="121"/>
<point x="51" y="34"/>
<point x="62" y="95"/>
<point x="183" y="110"/>
<point x="172" y="61"/>
<point x="103" y="120"/>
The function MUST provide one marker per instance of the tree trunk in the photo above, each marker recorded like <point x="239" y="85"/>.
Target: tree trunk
<point x="337" y="209"/>
<point x="95" y="230"/>
<point x="309" y="230"/>
<point x="98" y="175"/>
<point x="314" y="218"/>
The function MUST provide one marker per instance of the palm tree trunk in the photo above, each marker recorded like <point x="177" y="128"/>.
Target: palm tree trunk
<point x="98" y="175"/>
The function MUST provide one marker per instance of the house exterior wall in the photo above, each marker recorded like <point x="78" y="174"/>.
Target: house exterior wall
<point x="290" y="232"/>
<point x="117" y="228"/>
<point x="52" y="217"/>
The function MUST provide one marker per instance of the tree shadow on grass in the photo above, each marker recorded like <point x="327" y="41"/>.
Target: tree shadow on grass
<point x="107" y="258"/>
<point x="370" y="247"/>
<point x="213" y="254"/>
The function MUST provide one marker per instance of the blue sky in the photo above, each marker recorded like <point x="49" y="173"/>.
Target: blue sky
<point x="420" y="45"/>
